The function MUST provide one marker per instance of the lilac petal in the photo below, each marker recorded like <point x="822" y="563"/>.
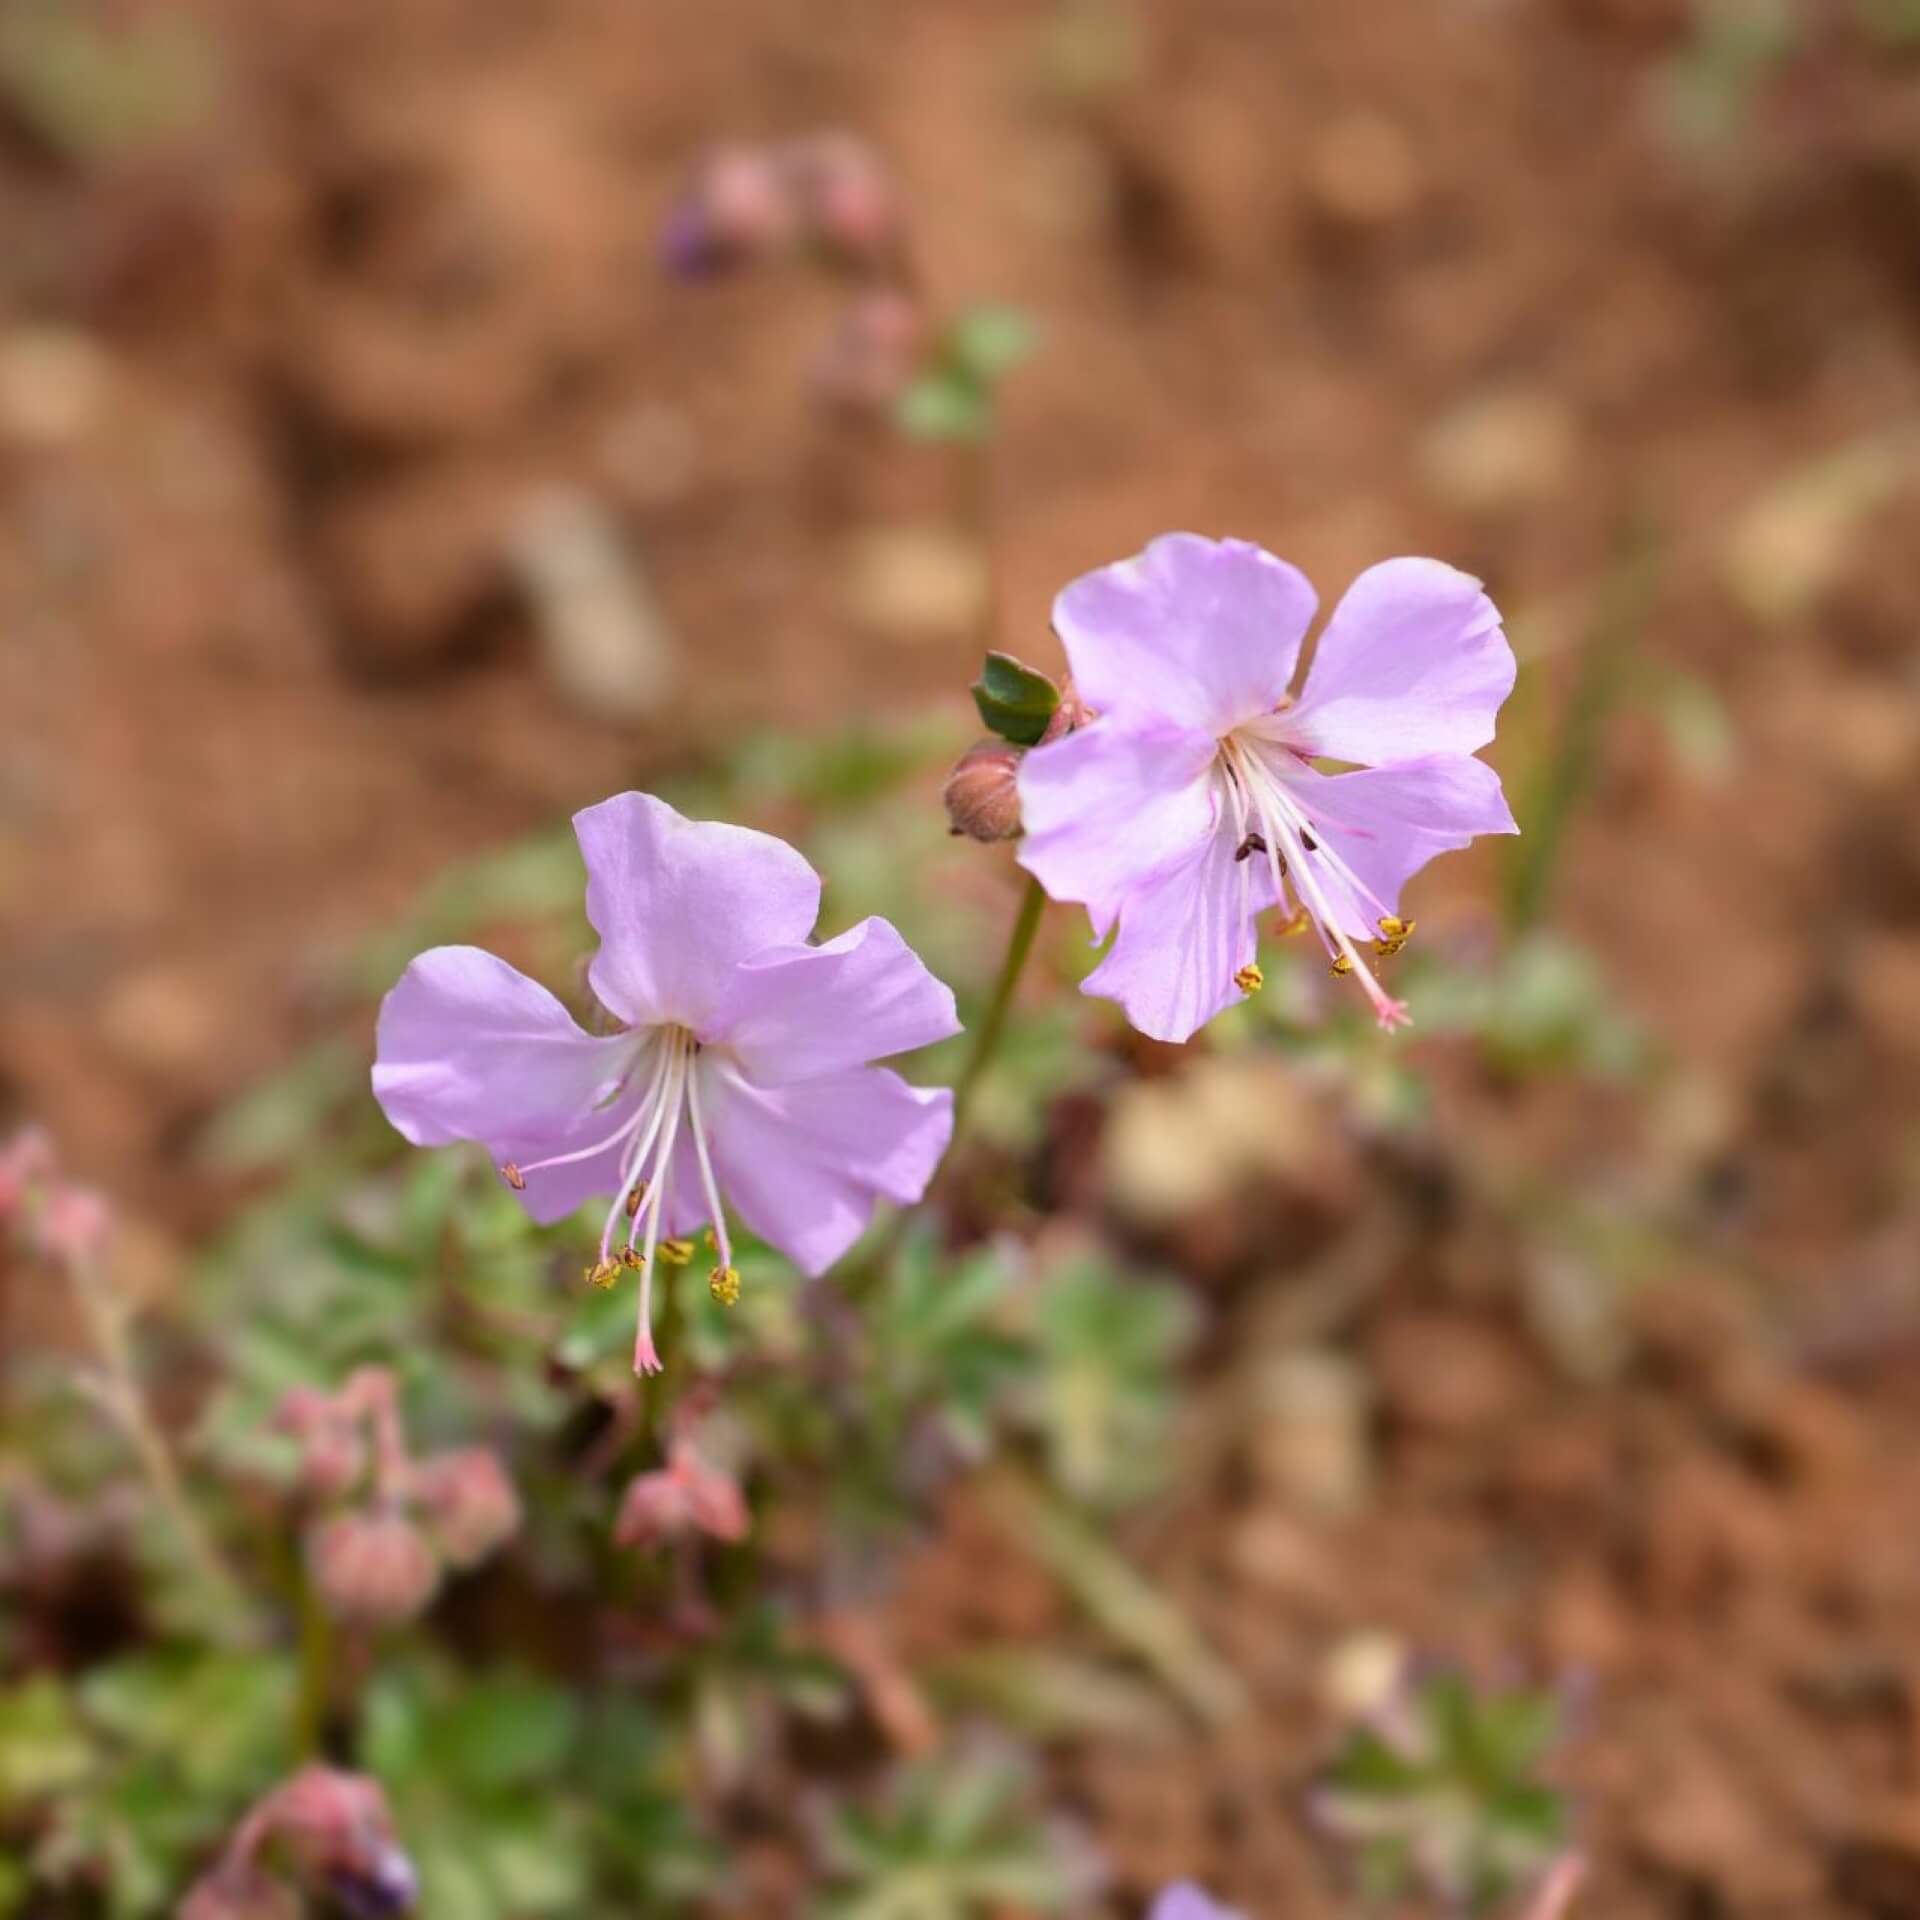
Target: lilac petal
<point x="1182" y="939"/>
<point x="803" y="1165"/>
<point x="1386" y="823"/>
<point x="1204" y="633"/>
<point x="1413" y="662"/>
<point x="796" y="1013"/>
<point x="1184" y="1901"/>
<point x="469" y="1048"/>
<point x="679" y="903"/>
<point x="1107" y="809"/>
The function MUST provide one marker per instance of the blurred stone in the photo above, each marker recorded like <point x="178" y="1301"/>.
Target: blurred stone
<point x="1362" y="1674"/>
<point x="1860" y="734"/>
<point x="1186" y="1144"/>
<point x="54" y="385"/>
<point x="605" y="640"/>
<point x="1281" y="1556"/>
<point x="161" y="1019"/>
<point x="1884" y="974"/>
<point x="1361" y="171"/>
<point x="1501" y="449"/>
<point x="1785" y="552"/>
<point x="1308" y="1437"/>
<point x="916" y="583"/>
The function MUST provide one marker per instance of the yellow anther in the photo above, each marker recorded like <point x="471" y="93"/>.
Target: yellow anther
<point x="724" y="1284"/>
<point x="514" y="1177"/>
<point x="1342" y="965"/>
<point x="603" y="1273"/>
<point x="1392" y="927"/>
<point x="1250" y="979"/>
<point x="1386" y="949"/>
<point x="630" y="1258"/>
<point x="1299" y="923"/>
<point x="676" y="1253"/>
<point x="713" y="1245"/>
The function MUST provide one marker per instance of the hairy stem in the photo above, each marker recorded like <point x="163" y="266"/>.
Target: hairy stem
<point x="986" y="1036"/>
<point x="117" y="1389"/>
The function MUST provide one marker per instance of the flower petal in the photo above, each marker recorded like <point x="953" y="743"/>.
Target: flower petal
<point x="1386" y="823"/>
<point x="1182" y="939"/>
<point x="1413" y="662"/>
<point x="796" y="1013"/>
<point x="1108" y="808"/>
<point x="469" y="1048"/>
<point x="1184" y="1901"/>
<point x="803" y="1165"/>
<point x="1204" y="633"/>
<point x="679" y="903"/>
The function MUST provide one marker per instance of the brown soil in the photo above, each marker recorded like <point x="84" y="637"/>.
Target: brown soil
<point x="277" y="387"/>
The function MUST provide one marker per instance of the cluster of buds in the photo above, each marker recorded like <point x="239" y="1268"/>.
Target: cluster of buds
<point x="687" y="1497"/>
<point x="322" y="1832"/>
<point x="59" y="1220"/>
<point x="1025" y="709"/>
<point x="392" y="1523"/>
<point x="824" y="197"/>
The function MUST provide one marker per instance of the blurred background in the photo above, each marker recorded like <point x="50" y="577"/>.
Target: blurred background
<point x="373" y="499"/>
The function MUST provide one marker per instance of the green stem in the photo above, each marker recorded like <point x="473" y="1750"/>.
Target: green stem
<point x="316" y="1674"/>
<point x="862" y="1273"/>
<point x="986" y="1036"/>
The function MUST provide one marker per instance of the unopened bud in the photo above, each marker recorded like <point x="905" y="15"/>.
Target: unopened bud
<point x="983" y="793"/>
<point x="332" y="1454"/>
<point x="25" y="1161"/>
<point x="1069" y="716"/>
<point x="372" y="1569"/>
<point x="467" y="1502"/>
<point x="338" y="1835"/>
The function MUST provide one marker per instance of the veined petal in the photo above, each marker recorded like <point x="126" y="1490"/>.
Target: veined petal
<point x="679" y="903"/>
<point x="796" y="1013"/>
<point x="1386" y="823"/>
<point x="1112" y="806"/>
<point x="469" y="1048"/>
<point x="1182" y="939"/>
<point x="803" y="1165"/>
<point x="1203" y="633"/>
<point x="1413" y="662"/>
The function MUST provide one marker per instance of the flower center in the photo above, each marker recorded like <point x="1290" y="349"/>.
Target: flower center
<point x="1270" y="821"/>
<point x="665" y="1066"/>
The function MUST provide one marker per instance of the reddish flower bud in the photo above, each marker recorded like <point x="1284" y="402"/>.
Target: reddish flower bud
<point x="982" y="792"/>
<point x="75" y="1223"/>
<point x="872" y="353"/>
<point x="372" y="1569"/>
<point x="333" y="1455"/>
<point x="467" y="1502"/>
<point x="685" y="1496"/>
<point x="853" y="212"/>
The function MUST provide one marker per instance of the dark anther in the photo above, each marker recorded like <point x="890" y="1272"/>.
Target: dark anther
<point x="1310" y="843"/>
<point x="1251" y="844"/>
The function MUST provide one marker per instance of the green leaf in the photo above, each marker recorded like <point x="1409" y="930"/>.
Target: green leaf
<point x="945" y="404"/>
<point x="43" y="1748"/>
<point x="1016" y="701"/>
<point x="990" y="340"/>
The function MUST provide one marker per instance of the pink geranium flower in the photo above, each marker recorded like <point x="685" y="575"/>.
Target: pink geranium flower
<point x="741" y="1076"/>
<point x="1192" y="803"/>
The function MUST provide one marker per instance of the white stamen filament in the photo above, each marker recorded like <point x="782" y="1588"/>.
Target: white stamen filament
<point x="715" y="1212"/>
<point x="1283" y="822"/>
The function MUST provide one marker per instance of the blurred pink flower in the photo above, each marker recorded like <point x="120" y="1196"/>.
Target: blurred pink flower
<point x="373" y="1569"/>
<point x="1184" y="1901"/>
<point x="1192" y="804"/>
<point x="744" y="1068"/>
